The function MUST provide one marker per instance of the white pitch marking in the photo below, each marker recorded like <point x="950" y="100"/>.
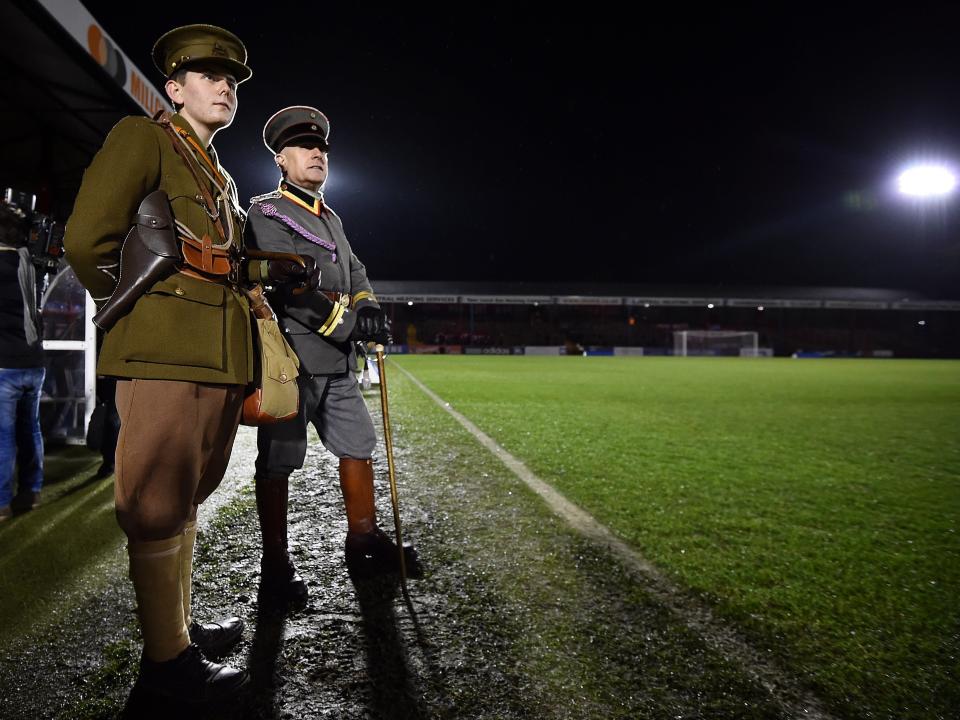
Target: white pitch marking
<point x="794" y="698"/>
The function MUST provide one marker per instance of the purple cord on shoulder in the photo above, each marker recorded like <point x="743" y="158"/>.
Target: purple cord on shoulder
<point x="270" y="210"/>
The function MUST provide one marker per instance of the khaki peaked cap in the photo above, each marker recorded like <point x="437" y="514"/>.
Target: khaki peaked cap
<point x="201" y="44"/>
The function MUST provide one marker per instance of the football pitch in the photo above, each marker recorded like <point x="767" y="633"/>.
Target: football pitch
<point x="814" y="505"/>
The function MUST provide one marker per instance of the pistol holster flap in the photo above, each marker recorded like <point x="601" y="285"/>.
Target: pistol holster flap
<point x="149" y="254"/>
<point x="157" y="226"/>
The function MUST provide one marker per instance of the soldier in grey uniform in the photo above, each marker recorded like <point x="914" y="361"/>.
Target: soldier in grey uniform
<point x="322" y="326"/>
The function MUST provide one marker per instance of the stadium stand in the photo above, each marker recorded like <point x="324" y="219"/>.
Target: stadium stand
<point x="855" y="322"/>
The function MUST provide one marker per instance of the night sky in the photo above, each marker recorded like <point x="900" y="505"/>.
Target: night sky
<point x="742" y="148"/>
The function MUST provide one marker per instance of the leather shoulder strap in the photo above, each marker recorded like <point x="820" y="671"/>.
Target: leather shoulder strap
<point x="162" y="118"/>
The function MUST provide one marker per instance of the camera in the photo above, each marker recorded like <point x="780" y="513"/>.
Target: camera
<point x="39" y="233"/>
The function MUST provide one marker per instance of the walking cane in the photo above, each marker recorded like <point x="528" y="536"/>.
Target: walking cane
<point x="388" y="441"/>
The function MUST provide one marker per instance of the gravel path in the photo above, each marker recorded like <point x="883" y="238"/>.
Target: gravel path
<point x="518" y="615"/>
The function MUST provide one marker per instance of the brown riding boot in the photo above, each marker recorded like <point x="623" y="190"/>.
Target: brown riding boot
<point x="278" y="576"/>
<point x="369" y="551"/>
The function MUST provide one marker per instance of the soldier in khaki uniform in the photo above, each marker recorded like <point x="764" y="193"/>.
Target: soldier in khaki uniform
<point x="183" y="353"/>
<point x="320" y="326"/>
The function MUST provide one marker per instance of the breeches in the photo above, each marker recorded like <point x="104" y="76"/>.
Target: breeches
<point x="334" y="405"/>
<point x="174" y="446"/>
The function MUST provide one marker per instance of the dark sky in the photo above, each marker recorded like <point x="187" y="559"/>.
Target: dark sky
<point x="741" y="148"/>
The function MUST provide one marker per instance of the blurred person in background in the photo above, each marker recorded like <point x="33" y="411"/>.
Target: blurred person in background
<point x="21" y="366"/>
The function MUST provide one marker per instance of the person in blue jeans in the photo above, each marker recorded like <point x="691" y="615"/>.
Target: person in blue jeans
<point x="21" y="442"/>
<point x="21" y="367"/>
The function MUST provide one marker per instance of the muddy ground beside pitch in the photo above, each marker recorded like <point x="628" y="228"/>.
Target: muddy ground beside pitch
<point x="516" y="617"/>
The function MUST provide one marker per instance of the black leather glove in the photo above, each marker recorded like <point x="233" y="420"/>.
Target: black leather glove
<point x="372" y="326"/>
<point x="287" y="271"/>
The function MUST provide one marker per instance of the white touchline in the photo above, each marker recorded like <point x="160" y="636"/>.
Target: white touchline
<point x="795" y="699"/>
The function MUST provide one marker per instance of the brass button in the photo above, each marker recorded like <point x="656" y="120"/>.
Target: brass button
<point x="179" y="291"/>
<point x="283" y="377"/>
<point x="199" y="197"/>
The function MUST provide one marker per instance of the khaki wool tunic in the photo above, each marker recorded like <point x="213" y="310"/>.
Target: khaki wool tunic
<point x="182" y="328"/>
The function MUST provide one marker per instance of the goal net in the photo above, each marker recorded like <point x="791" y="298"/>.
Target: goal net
<point x="715" y="342"/>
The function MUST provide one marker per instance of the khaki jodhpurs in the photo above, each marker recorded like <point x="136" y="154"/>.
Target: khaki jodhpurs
<point x="174" y="446"/>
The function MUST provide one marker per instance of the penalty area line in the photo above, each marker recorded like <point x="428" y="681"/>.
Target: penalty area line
<point x="796" y="700"/>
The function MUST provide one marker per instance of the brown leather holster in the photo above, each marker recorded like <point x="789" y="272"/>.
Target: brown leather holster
<point x="150" y="253"/>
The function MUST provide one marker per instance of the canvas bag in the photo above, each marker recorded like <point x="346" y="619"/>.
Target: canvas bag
<point x="273" y="396"/>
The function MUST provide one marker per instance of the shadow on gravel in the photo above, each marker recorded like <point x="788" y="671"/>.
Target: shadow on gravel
<point x="146" y="706"/>
<point x="262" y="663"/>
<point x="391" y="684"/>
<point x="393" y="691"/>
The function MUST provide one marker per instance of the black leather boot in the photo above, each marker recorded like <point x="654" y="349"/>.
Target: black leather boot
<point x="369" y="551"/>
<point x="278" y="575"/>
<point x="215" y="638"/>
<point x="190" y="678"/>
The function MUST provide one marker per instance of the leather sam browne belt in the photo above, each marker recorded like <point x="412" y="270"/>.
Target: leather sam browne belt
<point x="201" y="254"/>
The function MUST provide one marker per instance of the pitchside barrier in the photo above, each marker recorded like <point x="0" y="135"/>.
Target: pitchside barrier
<point x="592" y="350"/>
<point x="808" y="354"/>
<point x="542" y="350"/>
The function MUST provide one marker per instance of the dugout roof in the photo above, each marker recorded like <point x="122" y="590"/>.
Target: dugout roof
<point x="56" y="106"/>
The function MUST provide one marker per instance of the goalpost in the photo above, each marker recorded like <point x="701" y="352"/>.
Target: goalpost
<point x="737" y="343"/>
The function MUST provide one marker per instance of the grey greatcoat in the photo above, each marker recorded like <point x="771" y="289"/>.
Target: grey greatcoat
<point x="293" y="220"/>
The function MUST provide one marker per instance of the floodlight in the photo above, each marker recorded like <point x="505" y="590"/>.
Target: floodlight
<point x="710" y="306"/>
<point x="927" y="181"/>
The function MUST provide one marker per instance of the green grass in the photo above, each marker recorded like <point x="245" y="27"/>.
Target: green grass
<point x="549" y="630"/>
<point x="814" y="503"/>
<point x="48" y="553"/>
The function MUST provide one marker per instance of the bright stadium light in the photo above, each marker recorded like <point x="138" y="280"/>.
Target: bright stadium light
<point x="410" y="303"/>
<point x="927" y="181"/>
<point x="710" y="306"/>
